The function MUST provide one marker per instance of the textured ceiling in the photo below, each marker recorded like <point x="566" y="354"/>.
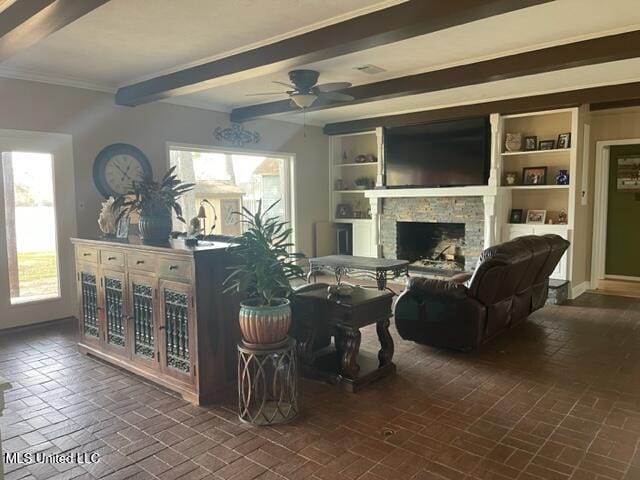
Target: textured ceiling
<point x="127" y="40"/>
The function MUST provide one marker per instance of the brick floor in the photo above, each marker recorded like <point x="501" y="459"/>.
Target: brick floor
<point x="557" y="399"/>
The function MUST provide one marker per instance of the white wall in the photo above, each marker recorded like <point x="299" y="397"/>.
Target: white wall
<point x="94" y="121"/>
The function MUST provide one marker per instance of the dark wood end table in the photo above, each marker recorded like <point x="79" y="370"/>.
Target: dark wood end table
<point x="346" y="364"/>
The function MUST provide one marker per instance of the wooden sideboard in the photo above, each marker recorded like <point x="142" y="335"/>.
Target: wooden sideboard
<point x="159" y="311"/>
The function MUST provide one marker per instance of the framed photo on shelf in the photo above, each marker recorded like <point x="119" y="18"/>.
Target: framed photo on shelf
<point x="344" y="210"/>
<point x="122" y="228"/>
<point x="534" y="176"/>
<point x="530" y="143"/>
<point x="536" y="217"/>
<point x="515" y="216"/>
<point x="564" y="140"/>
<point x="546" y="145"/>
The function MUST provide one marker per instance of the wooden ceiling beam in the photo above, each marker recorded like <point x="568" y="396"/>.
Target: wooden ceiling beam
<point x="26" y="22"/>
<point x="611" y="94"/>
<point x="398" y="22"/>
<point x="578" y="54"/>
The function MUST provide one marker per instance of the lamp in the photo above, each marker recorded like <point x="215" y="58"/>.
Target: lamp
<point x="202" y="215"/>
<point x="303" y="100"/>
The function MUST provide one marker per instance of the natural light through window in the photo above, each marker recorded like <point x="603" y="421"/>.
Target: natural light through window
<point x="30" y="225"/>
<point x="228" y="182"/>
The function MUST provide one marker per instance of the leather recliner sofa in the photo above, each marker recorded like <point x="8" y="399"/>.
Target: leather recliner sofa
<point x="510" y="282"/>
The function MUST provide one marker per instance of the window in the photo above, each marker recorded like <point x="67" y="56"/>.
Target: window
<point x="228" y="181"/>
<point x="30" y="222"/>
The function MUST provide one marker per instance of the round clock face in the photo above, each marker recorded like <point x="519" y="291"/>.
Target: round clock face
<point x="117" y="166"/>
<point x="121" y="171"/>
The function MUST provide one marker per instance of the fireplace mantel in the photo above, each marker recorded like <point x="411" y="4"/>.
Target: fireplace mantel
<point x="476" y="191"/>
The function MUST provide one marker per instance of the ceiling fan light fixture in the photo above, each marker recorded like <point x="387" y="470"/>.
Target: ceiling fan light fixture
<point x="303" y="100"/>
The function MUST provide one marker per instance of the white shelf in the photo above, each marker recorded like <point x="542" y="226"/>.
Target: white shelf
<point x="351" y="220"/>
<point x="536" y="152"/>
<point x="535" y="187"/>
<point x="349" y="191"/>
<point x="361" y="164"/>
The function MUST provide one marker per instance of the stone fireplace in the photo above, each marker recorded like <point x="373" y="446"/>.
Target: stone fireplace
<point x="431" y="246"/>
<point x="455" y="222"/>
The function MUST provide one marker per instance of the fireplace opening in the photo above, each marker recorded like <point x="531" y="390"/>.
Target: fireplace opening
<point x="431" y="247"/>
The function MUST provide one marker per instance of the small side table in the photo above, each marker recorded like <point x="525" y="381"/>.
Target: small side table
<point x="267" y="384"/>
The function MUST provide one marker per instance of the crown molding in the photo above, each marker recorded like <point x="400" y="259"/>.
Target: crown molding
<point x="60" y="80"/>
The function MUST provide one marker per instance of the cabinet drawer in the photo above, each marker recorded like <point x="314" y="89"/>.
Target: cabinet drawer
<point x="86" y="254"/>
<point x="109" y="257"/>
<point x="175" y="269"/>
<point x="145" y="263"/>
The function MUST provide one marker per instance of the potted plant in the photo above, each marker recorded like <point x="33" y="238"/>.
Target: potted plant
<point x="361" y="183"/>
<point x="154" y="202"/>
<point x="261" y="272"/>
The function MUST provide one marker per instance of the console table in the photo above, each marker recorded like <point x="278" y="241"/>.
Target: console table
<point x="344" y="317"/>
<point x="377" y="269"/>
<point x="159" y="311"/>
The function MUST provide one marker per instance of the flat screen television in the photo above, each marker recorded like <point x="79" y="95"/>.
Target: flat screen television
<point x="443" y="154"/>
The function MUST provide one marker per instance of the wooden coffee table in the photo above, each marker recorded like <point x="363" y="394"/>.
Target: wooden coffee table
<point x="346" y="364"/>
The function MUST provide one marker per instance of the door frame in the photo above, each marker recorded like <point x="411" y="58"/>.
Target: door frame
<point x="61" y="147"/>
<point x="601" y="206"/>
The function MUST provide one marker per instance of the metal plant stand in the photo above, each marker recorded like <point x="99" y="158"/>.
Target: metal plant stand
<point x="267" y="384"/>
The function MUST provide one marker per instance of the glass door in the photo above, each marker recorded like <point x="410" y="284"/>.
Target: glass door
<point x="36" y="261"/>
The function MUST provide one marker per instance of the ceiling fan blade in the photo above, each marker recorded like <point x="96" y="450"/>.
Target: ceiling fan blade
<point x="288" y="85"/>
<point x="267" y="93"/>
<point x="336" y="96"/>
<point x="331" y="87"/>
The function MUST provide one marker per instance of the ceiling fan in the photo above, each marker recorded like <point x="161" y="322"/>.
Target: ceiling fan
<point x="304" y="91"/>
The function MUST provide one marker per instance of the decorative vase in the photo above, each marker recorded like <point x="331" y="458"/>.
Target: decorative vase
<point x="562" y="178"/>
<point x="155" y="228"/>
<point x="513" y="142"/>
<point x="265" y="326"/>
<point x="510" y="178"/>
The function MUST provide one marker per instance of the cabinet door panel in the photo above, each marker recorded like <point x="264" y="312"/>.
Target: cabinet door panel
<point x="113" y="297"/>
<point x="177" y="351"/>
<point x="144" y="335"/>
<point x="362" y="239"/>
<point x="88" y="308"/>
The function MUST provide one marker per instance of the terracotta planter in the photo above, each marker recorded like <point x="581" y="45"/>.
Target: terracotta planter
<point x="155" y="228"/>
<point x="265" y="325"/>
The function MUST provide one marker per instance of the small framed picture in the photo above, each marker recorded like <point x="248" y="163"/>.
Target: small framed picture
<point x="546" y="145"/>
<point x="536" y="217"/>
<point x="531" y="143"/>
<point x="534" y="176"/>
<point x="564" y="140"/>
<point x="122" y="228"/>
<point x="344" y="210"/>
<point x="515" y="216"/>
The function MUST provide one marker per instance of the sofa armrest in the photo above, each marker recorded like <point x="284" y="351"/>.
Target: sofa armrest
<point x="463" y="277"/>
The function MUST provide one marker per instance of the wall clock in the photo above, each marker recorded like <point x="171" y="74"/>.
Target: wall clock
<point x="117" y="166"/>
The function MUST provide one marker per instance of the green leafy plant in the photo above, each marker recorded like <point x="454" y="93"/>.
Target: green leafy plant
<point x="150" y="197"/>
<point x="362" y="181"/>
<point x="263" y="264"/>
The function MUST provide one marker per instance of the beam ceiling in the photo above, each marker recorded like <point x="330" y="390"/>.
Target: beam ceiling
<point x="629" y="93"/>
<point x="392" y="24"/>
<point x="578" y="54"/>
<point x="25" y="22"/>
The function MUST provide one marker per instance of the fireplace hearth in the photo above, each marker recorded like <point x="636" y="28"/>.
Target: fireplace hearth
<point x="431" y="247"/>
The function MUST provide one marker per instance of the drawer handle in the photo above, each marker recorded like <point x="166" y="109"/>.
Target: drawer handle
<point x="139" y="262"/>
<point x="161" y="327"/>
<point x="173" y="267"/>
<point x="111" y="258"/>
<point x="86" y="254"/>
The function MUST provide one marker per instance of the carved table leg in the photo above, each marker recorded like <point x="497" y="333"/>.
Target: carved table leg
<point x="348" y="343"/>
<point x="305" y="344"/>
<point x="381" y="279"/>
<point x="385" y="355"/>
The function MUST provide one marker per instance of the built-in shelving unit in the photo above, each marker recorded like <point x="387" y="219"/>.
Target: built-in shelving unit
<point x="344" y="170"/>
<point x="549" y="196"/>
